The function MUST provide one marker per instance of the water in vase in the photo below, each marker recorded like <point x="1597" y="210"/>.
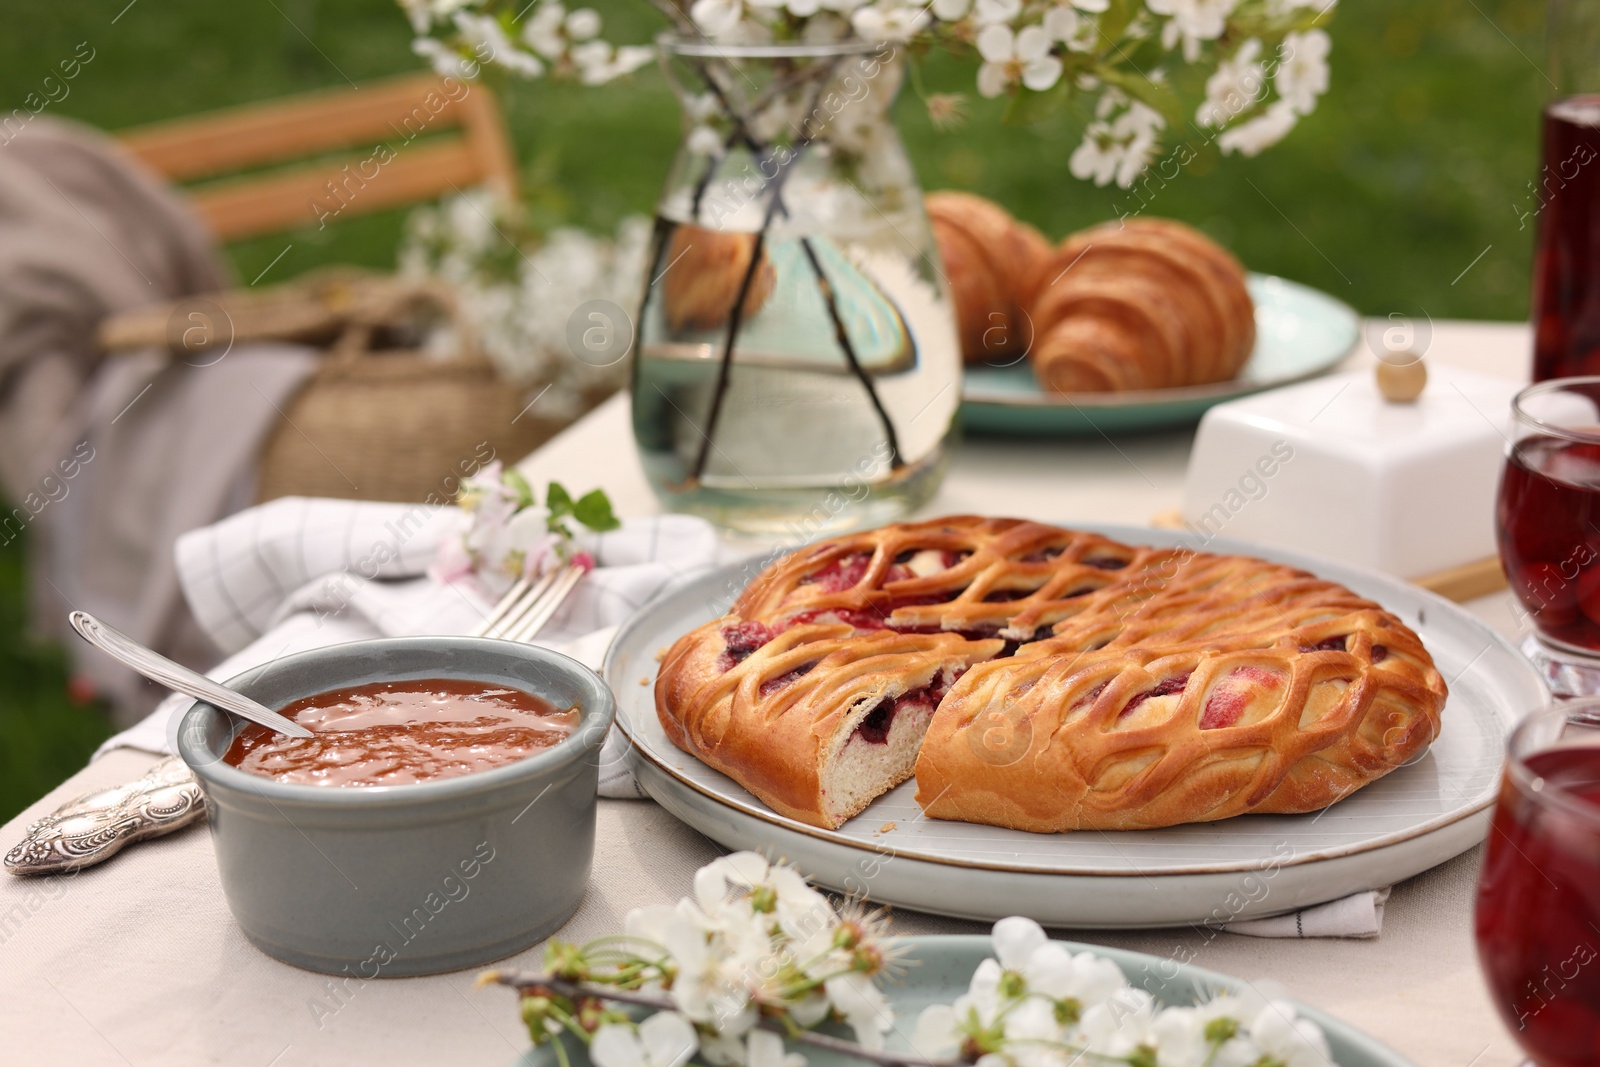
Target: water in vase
<point x="837" y="407"/>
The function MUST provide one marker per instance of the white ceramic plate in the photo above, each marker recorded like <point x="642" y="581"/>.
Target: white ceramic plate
<point x="939" y="969"/>
<point x="1248" y="867"/>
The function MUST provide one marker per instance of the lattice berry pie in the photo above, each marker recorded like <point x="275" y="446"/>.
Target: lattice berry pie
<point x="1048" y="680"/>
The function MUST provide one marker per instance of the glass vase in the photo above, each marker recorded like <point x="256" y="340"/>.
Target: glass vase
<point x="796" y="369"/>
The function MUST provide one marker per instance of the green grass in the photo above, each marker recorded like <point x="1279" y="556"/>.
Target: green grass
<point x="1416" y="162"/>
<point x="44" y="734"/>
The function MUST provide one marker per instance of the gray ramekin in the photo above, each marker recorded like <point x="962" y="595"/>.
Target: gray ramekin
<point x="410" y="879"/>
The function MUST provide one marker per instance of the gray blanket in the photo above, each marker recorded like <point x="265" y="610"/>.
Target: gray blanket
<point x="105" y="460"/>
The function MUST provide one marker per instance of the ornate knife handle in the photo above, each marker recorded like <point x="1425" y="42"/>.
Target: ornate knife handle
<point x="97" y="825"/>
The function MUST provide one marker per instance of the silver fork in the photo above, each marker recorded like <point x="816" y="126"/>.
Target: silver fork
<point x="529" y="605"/>
<point x="94" y="827"/>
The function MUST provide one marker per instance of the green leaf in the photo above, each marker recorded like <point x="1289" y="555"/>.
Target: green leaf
<point x="593" y="509"/>
<point x="1159" y="97"/>
<point x="519" y="485"/>
<point x="559" y="501"/>
<point x="1027" y="106"/>
<point x="1116" y="19"/>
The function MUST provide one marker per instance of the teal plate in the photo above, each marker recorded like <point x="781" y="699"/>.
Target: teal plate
<point x="943" y="967"/>
<point x="1300" y="332"/>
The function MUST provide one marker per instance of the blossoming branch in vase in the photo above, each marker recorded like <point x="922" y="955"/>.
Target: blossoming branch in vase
<point x="508" y="535"/>
<point x="1244" y="71"/>
<point x="757" y="955"/>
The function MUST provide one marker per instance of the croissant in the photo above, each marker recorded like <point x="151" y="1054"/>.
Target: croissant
<point x="703" y="272"/>
<point x="992" y="263"/>
<point x="1047" y="679"/>
<point x="1140" y="304"/>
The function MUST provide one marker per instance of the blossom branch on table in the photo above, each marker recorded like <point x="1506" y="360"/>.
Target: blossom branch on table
<point x="757" y="956"/>
<point x="508" y="535"/>
<point x="1244" y="71"/>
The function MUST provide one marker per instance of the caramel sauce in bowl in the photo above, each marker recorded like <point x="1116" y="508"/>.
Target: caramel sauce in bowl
<point x="401" y="733"/>
<point x="441" y="817"/>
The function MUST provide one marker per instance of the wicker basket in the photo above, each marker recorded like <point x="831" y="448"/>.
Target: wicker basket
<point x="379" y="423"/>
<point x="380" y="420"/>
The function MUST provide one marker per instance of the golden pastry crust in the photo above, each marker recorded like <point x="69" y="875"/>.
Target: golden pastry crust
<point x="774" y="719"/>
<point x="1096" y="685"/>
<point x="992" y="262"/>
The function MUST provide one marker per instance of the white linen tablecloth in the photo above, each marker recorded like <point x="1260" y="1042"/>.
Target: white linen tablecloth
<point x="138" y="962"/>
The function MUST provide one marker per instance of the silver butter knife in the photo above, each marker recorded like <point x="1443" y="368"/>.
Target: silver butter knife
<point x="97" y="825"/>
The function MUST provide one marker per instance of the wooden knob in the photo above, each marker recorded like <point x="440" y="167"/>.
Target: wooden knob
<point x="1401" y="376"/>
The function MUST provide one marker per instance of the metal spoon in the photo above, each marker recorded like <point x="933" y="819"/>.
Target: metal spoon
<point x="180" y="679"/>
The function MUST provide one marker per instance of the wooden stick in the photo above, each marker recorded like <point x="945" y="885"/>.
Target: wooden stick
<point x="524" y="983"/>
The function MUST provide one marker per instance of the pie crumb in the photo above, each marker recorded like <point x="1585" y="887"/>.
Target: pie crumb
<point x="661" y="654"/>
<point x="644" y="681"/>
<point x="886" y="827"/>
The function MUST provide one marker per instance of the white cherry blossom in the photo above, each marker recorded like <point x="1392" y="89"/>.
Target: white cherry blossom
<point x="1080" y="32"/>
<point x="1009" y="57"/>
<point x="1119" y="1026"/>
<point x="598" y="62"/>
<point x="1192" y="22"/>
<point x="740" y="882"/>
<point x="861" y="1003"/>
<point x="1260" y="133"/>
<point x="951" y="10"/>
<point x="583" y="24"/>
<point x="716" y="18"/>
<point x="1117" y="150"/>
<point x="445" y="61"/>
<point x="890" y="22"/>
<point x="542" y="32"/>
<point x="1281" y="8"/>
<point x="1290" y="1040"/>
<point x="1237" y="85"/>
<point x="991" y="12"/>
<point x="665" y="1039"/>
<point x="1302" y="76"/>
<point x="490" y="43"/>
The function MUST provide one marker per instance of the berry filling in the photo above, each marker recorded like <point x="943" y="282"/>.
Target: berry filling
<point x="874" y="729"/>
<point x="843" y="573"/>
<point x="772" y="685"/>
<point x="1161" y="689"/>
<point x="1327" y="644"/>
<point x="741" y="641"/>
<point x="1042" y="555"/>
<point x="1004" y="596"/>
<point x="1089" y="697"/>
<point x="862" y="619"/>
<point x="1104" y="563"/>
<point x="1227" y="702"/>
<point x="1380" y="653"/>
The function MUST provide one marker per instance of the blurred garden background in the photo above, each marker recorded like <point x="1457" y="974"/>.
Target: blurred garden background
<point x="1408" y="190"/>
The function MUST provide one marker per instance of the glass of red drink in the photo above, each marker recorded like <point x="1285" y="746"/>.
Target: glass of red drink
<point x="1548" y="523"/>
<point x="1562" y="203"/>
<point x="1538" y="912"/>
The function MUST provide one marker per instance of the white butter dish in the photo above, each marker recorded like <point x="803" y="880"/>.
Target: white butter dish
<point x="1330" y="468"/>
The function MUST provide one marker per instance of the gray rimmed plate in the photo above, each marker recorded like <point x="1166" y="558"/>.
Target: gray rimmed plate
<point x="1248" y="867"/>
<point x="1300" y="332"/>
<point x="943" y="968"/>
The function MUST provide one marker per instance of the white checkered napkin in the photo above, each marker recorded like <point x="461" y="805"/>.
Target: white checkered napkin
<point x="301" y="573"/>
